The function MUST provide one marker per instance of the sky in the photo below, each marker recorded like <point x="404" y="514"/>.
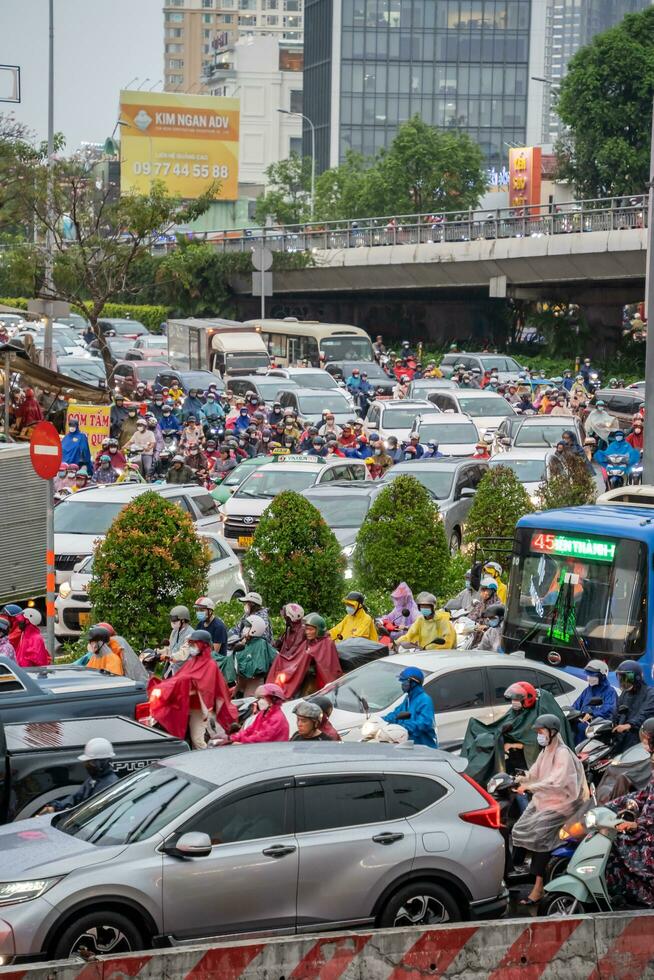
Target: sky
<point x="100" y="46"/>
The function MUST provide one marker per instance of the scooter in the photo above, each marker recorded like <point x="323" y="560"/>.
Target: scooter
<point x="618" y="472"/>
<point x="502" y="787"/>
<point x="583" y="887"/>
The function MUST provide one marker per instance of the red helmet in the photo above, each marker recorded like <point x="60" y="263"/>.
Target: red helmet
<point x="108" y="627"/>
<point x="522" y="691"/>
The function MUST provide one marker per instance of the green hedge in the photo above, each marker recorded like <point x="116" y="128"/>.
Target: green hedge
<point x="149" y="316"/>
<point x="19" y="302"/>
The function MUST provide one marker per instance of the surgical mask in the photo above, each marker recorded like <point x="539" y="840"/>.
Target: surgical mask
<point x="200" y="616"/>
<point x="263" y="704"/>
<point x="592" y="679"/>
<point x="516" y="705"/>
<point x="378" y="452"/>
<point x="406" y="686"/>
<point x="193" y="651"/>
<point x="494" y="621"/>
<point x="542" y="740"/>
<point x="426" y="610"/>
<point x="351" y="610"/>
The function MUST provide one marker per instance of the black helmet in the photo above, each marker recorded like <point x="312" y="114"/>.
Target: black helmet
<point x="551" y="722"/>
<point x="355" y="597"/>
<point x="631" y="671"/>
<point x="325" y="704"/>
<point x="201" y="636"/>
<point x="99" y="633"/>
<point x="496" y="609"/>
<point x="647" y="729"/>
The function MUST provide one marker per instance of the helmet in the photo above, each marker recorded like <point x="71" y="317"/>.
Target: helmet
<point x="355" y="597"/>
<point x="252" y="597"/>
<point x="32" y="616"/>
<point x="108" y="627"/>
<point x="308" y="709"/>
<point x="597" y="667"/>
<point x="323" y="702"/>
<point x="270" y="691"/>
<point x="426" y="598"/>
<point x="496" y="609"/>
<point x="97" y="748"/>
<point x="4" y="624"/>
<point x="180" y="612"/>
<point x="493" y="566"/>
<point x="293" y="611"/>
<point x="11" y="609"/>
<point x="488" y="582"/>
<point x="551" y="722"/>
<point x="631" y="670"/>
<point x="396" y="734"/>
<point x="99" y="633"/>
<point x="522" y="691"/>
<point x="201" y="636"/>
<point x="647" y="728"/>
<point x="258" y="626"/>
<point x="313" y="619"/>
<point x="412" y="674"/>
<point x="204" y="603"/>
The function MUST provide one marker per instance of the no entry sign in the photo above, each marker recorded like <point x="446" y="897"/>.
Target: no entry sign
<point x="45" y="450"/>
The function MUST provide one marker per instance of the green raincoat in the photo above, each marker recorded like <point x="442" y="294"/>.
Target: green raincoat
<point x="254" y="660"/>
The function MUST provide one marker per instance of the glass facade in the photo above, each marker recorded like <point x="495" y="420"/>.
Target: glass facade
<point x="316" y="97"/>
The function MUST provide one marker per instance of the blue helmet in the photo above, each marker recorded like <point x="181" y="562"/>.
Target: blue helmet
<point x="412" y="674"/>
<point x="12" y="609"/>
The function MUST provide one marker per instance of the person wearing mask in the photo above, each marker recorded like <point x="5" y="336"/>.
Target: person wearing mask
<point x="105" y="473"/>
<point x="636" y="438"/>
<point x="557" y="786"/>
<point x="466" y="598"/>
<point x="192" y="406"/>
<point x="511" y="394"/>
<point x="491" y="638"/>
<point x="635" y="705"/>
<point x="31" y="651"/>
<point x="309" y="665"/>
<point x="432" y="451"/>
<point x="161" y="467"/>
<point x="252" y="604"/>
<point x="169" y="423"/>
<point x="29" y="411"/>
<point x="128" y="427"/>
<point x="82" y="480"/>
<point x="179" y="472"/>
<point x="212" y="413"/>
<point x="482" y="450"/>
<point x="223" y="465"/>
<point x="75" y="446"/>
<point x="275" y="415"/>
<point x="328" y="427"/>
<point x="432" y="630"/>
<point x="309" y="721"/>
<point x="326" y="727"/>
<point x="394" y="450"/>
<point x="101" y="655"/>
<point x="242" y="421"/>
<point x="585" y="371"/>
<point x="487" y="596"/>
<point x="414" y="443"/>
<point x="270" y="723"/>
<point x="12" y="611"/>
<point x="357" y="621"/>
<point x="97" y="756"/>
<point x="560" y="407"/>
<point x="6" y="646"/>
<point x="61" y="478"/>
<point x="404" y="612"/>
<point x="191" y="436"/>
<point x="493" y="569"/>
<point x="353" y="382"/>
<point x="143" y="442"/>
<point x="206" y="620"/>
<point x="117" y="416"/>
<point x="568" y="380"/>
<point x="176" y="652"/>
<point x="600" y="423"/>
<point x="416" y="711"/>
<point x="157" y="405"/>
<point x="618" y="446"/>
<point x="250" y="658"/>
<point x="598" y="687"/>
<point x="525" y="404"/>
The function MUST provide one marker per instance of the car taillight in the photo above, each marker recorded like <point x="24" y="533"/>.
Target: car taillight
<point x="487" y="816"/>
<point x="142" y="711"/>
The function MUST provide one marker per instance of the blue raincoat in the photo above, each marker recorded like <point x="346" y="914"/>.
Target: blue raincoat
<point x="421" y="726"/>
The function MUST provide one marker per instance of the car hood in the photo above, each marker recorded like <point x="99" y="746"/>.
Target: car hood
<point x="486" y="422"/>
<point x="79" y="581"/>
<point x="457" y="449"/>
<point x="33" y="848"/>
<point x="244" y="506"/>
<point x="75" y="544"/>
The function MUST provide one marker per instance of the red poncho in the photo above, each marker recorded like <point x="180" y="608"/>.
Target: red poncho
<point x="29" y="412"/>
<point x="31" y="650"/>
<point x="290" y="673"/>
<point x="170" y="699"/>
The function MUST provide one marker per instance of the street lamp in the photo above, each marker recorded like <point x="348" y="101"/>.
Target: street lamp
<point x="143" y="83"/>
<point x="110" y="148"/>
<point x="135" y="79"/>
<point x="288" y="112"/>
<point x="545" y="127"/>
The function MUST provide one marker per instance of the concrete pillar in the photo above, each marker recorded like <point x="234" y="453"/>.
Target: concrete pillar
<point x="605" y="328"/>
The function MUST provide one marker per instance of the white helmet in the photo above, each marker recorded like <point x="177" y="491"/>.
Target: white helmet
<point x="97" y="748"/>
<point x="392" y="733"/>
<point x="597" y="667"/>
<point x="494" y="565"/>
<point x="257" y="626"/>
<point x="33" y="616"/>
<point x="293" y="611"/>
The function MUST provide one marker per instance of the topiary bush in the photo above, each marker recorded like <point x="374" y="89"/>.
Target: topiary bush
<point x="150" y="560"/>
<point x="500" y="501"/>
<point x="571" y="485"/>
<point x="402" y="540"/>
<point x="295" y="557"/>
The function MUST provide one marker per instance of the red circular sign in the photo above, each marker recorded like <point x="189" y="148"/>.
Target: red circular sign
<point x="45" y="450"/>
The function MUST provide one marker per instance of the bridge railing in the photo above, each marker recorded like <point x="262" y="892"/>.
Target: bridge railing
<point x="601" y="214"/>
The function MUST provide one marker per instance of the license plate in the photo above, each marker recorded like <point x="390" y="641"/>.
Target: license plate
<point x="84" y="618"/>
<point x="245" y="540"/>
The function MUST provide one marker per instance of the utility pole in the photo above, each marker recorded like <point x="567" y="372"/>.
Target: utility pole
<point x="648" y="450"/>
<point x="49" y="235"/>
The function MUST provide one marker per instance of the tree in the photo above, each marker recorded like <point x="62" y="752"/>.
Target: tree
<point x="606" y="102"/>
<point x="499" y="503"/>
<point x="571" y="486"/>
<point x="288" y="198"/>
<point x="295" y="557"/>
<point x="150" y="561"/>
<point x="352" y="190"/>
<point x="402" y="540"/>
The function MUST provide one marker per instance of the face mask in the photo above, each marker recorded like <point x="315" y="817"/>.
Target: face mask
<point x="200" y="616"/>
<point x="378" y="452"/>
<point x="625" y="683"/>
<point x="426" y="610"/>
<point x="262" y="704"/>
<point x="351" y="610"/>
<point x="493" y="622"/>
<point x="542" y="740"/>
<point x="516" y="705"/>
<point x="193" y="651"/>
<point x="592" y="680"/>
<point x="406" y="686"/>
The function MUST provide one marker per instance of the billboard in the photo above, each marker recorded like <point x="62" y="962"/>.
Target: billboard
<point x="524" y="176"/>
<point x="187" y="141"/>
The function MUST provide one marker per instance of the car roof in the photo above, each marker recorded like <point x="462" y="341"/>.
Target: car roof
<point x="137" y="362"/>
<point x="549" y="420"/>
<point x="446" y="418"/>
<point x="318" y="467"/>
<point x="267" y="757"/>
<point x="124" y="492"/>
<point x="405" y="403"/>
<point x="607" y="392"/>
<point x="445" y="463"/>
<point x="478" y="393"/>
<point x="524" y="452"/>
<point x="433" y="661"/>
<point x="295" y="370"/>
<point x="318" y="392"/>
<point x="363" y="487"/>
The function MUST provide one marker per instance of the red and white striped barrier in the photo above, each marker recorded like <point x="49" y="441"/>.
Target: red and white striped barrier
<point x="603" y="947"/>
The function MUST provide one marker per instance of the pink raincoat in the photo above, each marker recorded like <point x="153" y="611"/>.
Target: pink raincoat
<point x="268" y="726"/>
<point x="31" y="651"/>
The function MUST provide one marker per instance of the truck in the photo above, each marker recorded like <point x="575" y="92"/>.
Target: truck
<point x="24" y="501"/>
<point x="224" y="347"/>
<point x="39" y="761"/>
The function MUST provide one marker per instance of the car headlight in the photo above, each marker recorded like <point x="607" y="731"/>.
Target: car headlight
<point x="65" y="589"/>
<point x="13" y="892"/>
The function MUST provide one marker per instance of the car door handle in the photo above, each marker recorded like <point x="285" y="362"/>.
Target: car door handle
<point x="387" y="838"/>
<point x="279" y="850"/>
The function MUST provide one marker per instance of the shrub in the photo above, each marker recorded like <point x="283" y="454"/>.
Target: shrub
<point x="571" y="486"/>
<point x="402" y="540"/>
<point x="500" y="501"/>
<point x="150" y="560"/>
<point x="295" y="557"/>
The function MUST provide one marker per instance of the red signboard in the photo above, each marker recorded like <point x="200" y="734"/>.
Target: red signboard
<point x="45" y="450"/>
<point x="524" y="176"/>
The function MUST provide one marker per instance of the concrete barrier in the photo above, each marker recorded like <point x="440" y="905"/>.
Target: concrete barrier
<point x="602" y="947"/>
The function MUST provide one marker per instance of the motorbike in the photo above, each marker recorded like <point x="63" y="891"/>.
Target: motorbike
<point x="630" y="770"/>
<point x="636" y="475"/>
<point x="618" y="472"/>
<point x="502" y="788"/>
<point x="464" y="627"/>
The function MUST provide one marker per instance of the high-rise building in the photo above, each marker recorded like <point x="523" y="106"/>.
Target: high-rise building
<point x="194" y="30"/>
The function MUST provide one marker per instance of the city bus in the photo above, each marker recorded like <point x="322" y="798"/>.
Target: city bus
<point x="291" y="342"/>
<point x="582" y="582"/>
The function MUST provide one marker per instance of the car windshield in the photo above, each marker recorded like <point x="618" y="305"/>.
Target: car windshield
<point x="151" y="341"/>
<point x="456" y="435"/>
<point x="485" y="407"/>
<point x="316" y="379"/>
<point x="239" y="473"/>
<point x="201" y="380"/>
<point x="375" y="683"/>
<point x="400" y="418"/>
<point x="346" y="348"/>
<point x="342" y="510"/>
<point x="332" y="400"/>
<point x="438" y="482"/>
<point x="498" y="363"/>
<point x="126" y="328"/>
<point x="88" y="370"/>
<point x="526" y="470"/>
<point x="246" y="362"/>
<point x="539" y="435"/>
<point x="419" y="390"/>
<point x="147" y="372"/>
<point x="66" y="336"/>
<point x="74" y="320"/>
<point x="269" y="389"/>
<point x="268" y="482"/>
<point x="117" y="345"/>
<point x="75" y="516"/>
<point x="134" y="808"/>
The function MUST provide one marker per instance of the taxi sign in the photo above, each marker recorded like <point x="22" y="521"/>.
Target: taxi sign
<point x="282" y="457"/>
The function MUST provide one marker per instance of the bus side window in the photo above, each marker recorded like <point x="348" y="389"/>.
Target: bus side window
<point x="277" y="345"/>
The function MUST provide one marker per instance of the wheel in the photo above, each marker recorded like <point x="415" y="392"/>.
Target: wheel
<point x="555" y="868"/>
<point x="419" y="904"/>
<point x="101" y="933"/>
<point x="559" y="905"/>
<point x="237" y="595"/>
<point x="455" y="542"/>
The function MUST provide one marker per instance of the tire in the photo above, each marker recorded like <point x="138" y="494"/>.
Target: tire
<point x="237" y="595"/>
<point x="560" y="906"/>
<point x="555" y="868"/>
<point x="422" y="903"/>
<point x="455" y="542"/>
<point x="102" y="932"/>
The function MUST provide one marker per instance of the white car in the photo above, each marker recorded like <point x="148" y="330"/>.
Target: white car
<point x="395" y="417"/>
<point x="73" y="608"/>
<point x="462" y="686"/>
<point x="455" y="434"/>
<point x="487" y="409"/>
<point x="529" y="466"/>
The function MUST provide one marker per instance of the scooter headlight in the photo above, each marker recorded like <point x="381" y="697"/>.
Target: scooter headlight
<point x="591" y="819"/>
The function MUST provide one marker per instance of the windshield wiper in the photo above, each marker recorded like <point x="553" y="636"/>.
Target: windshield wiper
<point x="362" y="701"/>
<point x="562" y="609"/>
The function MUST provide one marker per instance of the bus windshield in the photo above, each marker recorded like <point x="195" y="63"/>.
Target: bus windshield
<point x="578" y="594"/>
<point x="346" y="347"/>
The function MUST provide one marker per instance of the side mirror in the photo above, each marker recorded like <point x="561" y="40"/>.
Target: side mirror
<point x="193" y="845"/>
<point x="467" y="492"/>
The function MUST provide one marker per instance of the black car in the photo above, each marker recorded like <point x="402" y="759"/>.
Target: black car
<point x="341" y="370"/>
<point x="187" y="380"/>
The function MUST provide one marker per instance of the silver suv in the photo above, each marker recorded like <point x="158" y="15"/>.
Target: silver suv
<point x="277" y="838"/>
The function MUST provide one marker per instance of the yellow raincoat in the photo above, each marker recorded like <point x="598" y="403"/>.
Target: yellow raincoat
<point x="361" y="624"/>
<point x="423" y="632"/>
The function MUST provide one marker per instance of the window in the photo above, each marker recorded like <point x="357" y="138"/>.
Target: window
<point x="295" y="145"/>
<point x="181" y="502"/>
<point x="331" y="803"/>
<point x="175" y="18"/>
<point x="9" y="683"/>
<point x="207" y="18"/>
<point x="205" y="504"/>
<point x="251" y="816"/>
<point x="503" y="677"/>
<point x="207" y="4"/>
<point x="408" y="795"/>
<point x="174" y="48"/>
<point x="296" y="100"/>
<point x="175" y="63"/>
<point x="457" y="691"/>
<point x="175" y="32"/>
<point x="215" y="550"/>
<point x="555" y="685"/>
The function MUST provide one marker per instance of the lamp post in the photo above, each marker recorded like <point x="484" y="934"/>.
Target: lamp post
<point x="648" y="428"/>
<point x="287" y="112"/>
<point x="545" y="129"/>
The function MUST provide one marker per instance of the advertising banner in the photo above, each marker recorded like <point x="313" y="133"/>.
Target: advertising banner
<point x="94" y="421"/>
<point x="186" y="141"/>
<point x="524" y="176"/>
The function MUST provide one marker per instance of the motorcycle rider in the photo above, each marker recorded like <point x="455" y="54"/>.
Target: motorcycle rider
<point x="143" y="442"/>
<point x="487" y="596"/>
<point x="270" y="723"/>
<point x="618" y="446"/>
<point x="75" y="446"/>
<point x="326" y="727"/>
<point x="192" y="405"/>
<point x="431" y="630"/>
<point x="416" y="711"/>
<point x="117" y="416"/>
<point x="493" y="569"/>
<point x="179" y="472"/>
<point x="357" y="621"/>
<point x="102" y="655"/>
<point x="31" y="650"/>
<point x="600" y="423"/>
<point x="105" y="473"/>
<point x="466" y="598"/>
<point x="635" y="705"/>
<point x="599" y="686"/>
<point x="491" y="638"/>
<point x="97" y="756"/>
<point x="169" y="424"/>
<point x="212" y="413"/>
<point x="309" y="720"/>
<point x="176" y="651"/>
<point x="206" y="620"/>
<point x="252" y="604"/>
<point x="117" y="458"/>
<point x="635" y="437"/>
